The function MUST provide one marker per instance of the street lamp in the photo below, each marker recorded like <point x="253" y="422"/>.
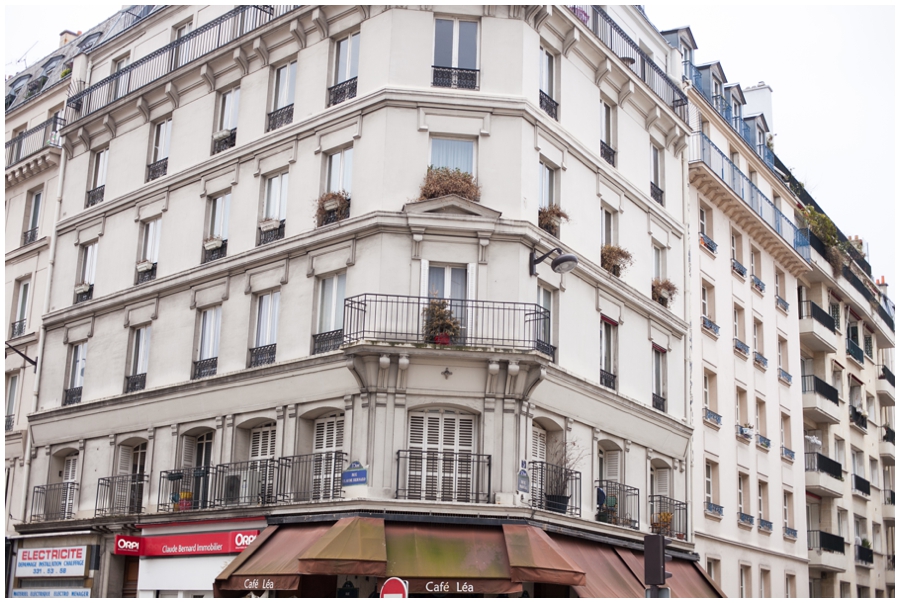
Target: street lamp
<point x="565" y="262"/>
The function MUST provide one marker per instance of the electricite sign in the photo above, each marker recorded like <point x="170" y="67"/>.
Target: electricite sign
<point x="56" y="562"/>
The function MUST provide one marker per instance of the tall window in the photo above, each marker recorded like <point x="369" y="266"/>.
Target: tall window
<point x="21" y="309"/>
<point x="545" y="300"/>
<point x="347" y="59"/>
<point x="606" y="122"/>
<point x="742" y="485"/>
<point x="150" y="240"/>
<point x="88" y="263"/>
<point x="340" y="171"/>
<point x="704" y="301"/>
<point x="99" y="176"/>
<point x="121" y="83"/>
<point x="703" y="223"/>
<point x="453" y="154"/>
<point x="608" y="228"/>
<point x="276" y="197"/>
<point x="757" y="337"/>
<point x="33" y="217"/>
<point x="787" y="509"/>
<point x="659" y="371"/>
<point x="76" y="368"/>
<point x="547" y="184"/>
<point x="440" y="435"/>
<point x="328" y="442"/>
<point x="655" y="167"/>
<point x="447" y="282"/>
<point x="709" y="483"/>
<point x="219" y="209"/>
<point x="182" y="52"/>
<point x="12" y="385"/>
<point x="608" y="332"/>
<point x="228" y="109"/>
<point x="547" y="73"/>
<point x="267" y="319"/>
<point x="456" y="46"/>
<point x="331" y="303"/>
<point x="658" y="262"/>
<point x="210" y="321"/>
<point x="162" y="135"/>
<point x="140" y="351"/>
<point x="285" y="78"/>
<point x="762" y="499"/>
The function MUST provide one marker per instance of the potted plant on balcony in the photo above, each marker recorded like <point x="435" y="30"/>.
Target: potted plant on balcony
<point x="66" y="72"/>
<point x="663" y="523"/>
<point x="440" y="325"/>
<point x="550" y="217"/>
<point x="335" y="203"/>
<point x="615" y="259"/>
<point x="663" y="291"/>
<point x="563" y="457"/>
<point x="443" y="181"/>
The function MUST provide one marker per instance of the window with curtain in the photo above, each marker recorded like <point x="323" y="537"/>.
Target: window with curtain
<point x="161" y="140"/>
<point x="340" y="171"/>
<point x="209" y="333"/>
<point x="150" y="240"/>
<point x="267" y="318"/>
<point x="331" y="303"/>
<point x="347" y="59"/>
<point x="453" y="154"/>
<point x="276" y="197"/>
<point x="218" y="216"/>
<point x="140" y="351"/>
<point x="285" y="78"/>
<point x="228" y="109"/>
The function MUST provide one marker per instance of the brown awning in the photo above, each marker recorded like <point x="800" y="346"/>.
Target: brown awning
<point x="688" y="579"/>
<point x="534" y="557"/>
<point x="606" y="576"/>
<point x="354" y="546"/>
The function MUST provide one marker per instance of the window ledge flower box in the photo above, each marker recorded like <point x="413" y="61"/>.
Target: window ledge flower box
<point x="82" y="287"/>
<point x="212" y="243"/>
<point x="267" y="225"/>
<point x="144" y="265"/>
<point x="221" y="135"/>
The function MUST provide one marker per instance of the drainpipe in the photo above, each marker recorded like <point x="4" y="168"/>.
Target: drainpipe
<point x="689" y="407"/>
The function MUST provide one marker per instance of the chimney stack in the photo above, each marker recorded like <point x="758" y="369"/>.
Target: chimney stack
<point x="858" y="243"/>
<point x="66" y="36"/>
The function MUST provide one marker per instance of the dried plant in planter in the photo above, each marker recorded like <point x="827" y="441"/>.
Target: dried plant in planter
<point x="332" y="207"/>
<point x="663" y="291"/>
<point x="549" y="218"/>
<point x="445" y="181"/>
<point x="615" y="259"/>
<point x="440" y="327"/>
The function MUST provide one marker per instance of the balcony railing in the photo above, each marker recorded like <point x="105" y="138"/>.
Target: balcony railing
<point x="811" y="383"/>
<point x="620" y="504"/>
<point x="555" y="488"/>
<point x="858" y="284"/>
<point x="757" y="284"/>
<point x="817" y="540"/>
<point x="443" y="476"/>
<point x="703" y="149"/>
<point x="54" y="502"/>
<point x="714" y="509"/>
<point x="741" y="347"/>
<point x="17" y="329"/>
<point x="158" y="169"/>
<point x="454" y="77"/>
<point x="72" y="396"/>
<point x="145" y="276"/>
<point x="710" y="326"/>
<point x="744" y="432"/>
<point x="889" y="497"/>
<point x="668" y="517"/>
<point x="10" y="422"/>
<point x="607" y="153"/>
<point x="223" y="144"/>
<point x="886" y="374"/>
<point x="861" y="485"/>
<point x="712" y="417"/>
<point x="217" y="253"/>
<point x="782" y="303"/>
<point x="864" y="555"/>
<point x="763" y="441"/>
<point x="659" y="403"/>
<point x="760" y="360"/>
<point x="816" y="461"/>
<point x="706" y="241"/>
<point x="205" y="39"/>
<point x="889" y="435"/>
<point x="280" y="117"/>
<point x="787" y="453"/>
<point x="765" y="525"/>
<point x="809" y="309"/>
<point x="120" y="495"/>
<point x="745" y="518"/>
<point x="262" y="355"/>
<point x="33" y="140"/>
<point x="790" y="532"/>
<point x="29" y="236"/>
<point x="135" y="383"/>
<point x="245" y="483"/>
<point x="341" y="92"/>
<point x="857" y="418"/>
<point x="310" y="477"/>
<point x="785" y="376"/>
<point x="404" y="319"/>
<point x="272" y="235"/>
<point x="328" y="341"/>
<point x="94" y="196"/>
<point x="613" y="37"/>
<point x="656" y="194"/>
<point x="336" y="215"/>
<point x="83" y="296"/>
<point x="186" y="489"/>
<point x="607" y="379"/>
<point x="205" y="368"/>
<point x="854" y="351"/>
<point x="738" y="268"/>
<point x="549" y="106"/>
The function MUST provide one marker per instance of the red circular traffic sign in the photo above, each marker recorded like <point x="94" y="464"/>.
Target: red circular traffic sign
<point x="394" y="587"/>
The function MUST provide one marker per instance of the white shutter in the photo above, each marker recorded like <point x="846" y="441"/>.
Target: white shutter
<point x="67" y="501"/>
<point x="125" y="457"/>
<point x="538" y="444"/>
<point x="69" y="470"/>
<point x="188" y="451"/>
<point x="612" y="466"/>
<point x="328" y="440"/>
<point x="662" y="482"/>
<point x="423" y="279"/>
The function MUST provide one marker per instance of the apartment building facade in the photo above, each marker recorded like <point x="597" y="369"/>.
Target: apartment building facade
<point x="261" y="332"/>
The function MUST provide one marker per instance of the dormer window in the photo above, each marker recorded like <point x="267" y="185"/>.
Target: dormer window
<point x="17" y="85"/>
<point x="50" y="66"/>
<point x="90" y="41"/>
<point x="717" y="87"/>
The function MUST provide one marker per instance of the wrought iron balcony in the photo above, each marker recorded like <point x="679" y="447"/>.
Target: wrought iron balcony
<point x="405" y="319"/>
<point x="857" y="418"/>
<point x="668" y="517"/>
<point x="336" y="215"/>
<point x="790" y="533"/>
<point x="135" y="383"/>
<point x="889" y="435"/>
<point x="741" y="347"/>
<point x="854" y="351"/>
<point x="811" y="383"/>
<point x="618" y="504"/>
<point x="886" y="374"/>
<point x="607" y="153"/>
<point x="223" y="144"/>
<point x="861" y="485"/>
<point x="549" y="106"/>
<point x="34" y="140"/>
<point x="83" y="296"/>
<point x="816" y="461"/>
<point x="328" y="341"/>
<point x="864" y="555"/>
<point x="157" y="169"/>
<point x="245" y="483"/>
<point x="743" y="432"/>
<point x="145" y="276"/>
<point x="185" y="50"/>
<point x="120" y="495"/>
<point x="656" y="193"/>
<point x="204" y="368"/>
<point x="760" y="360"/>
<point x="659" y="403"/>
<point x="217" y="253"/>
<point x="554" y="488"/>
<point x="274" y="234"/>
<point x="765" y="525"/>
<point x="54" y="502"/>
<point x="94" y="196"/>
<point x="10" y="422"/>
<point x="309" y="478"/>
<point x="817" y="540"/>
<point x="72" y="396"/>
<point x="714" y="509"/>
<point x="443" y="476"/>
<point x="757" y="284"/>
<point x="787" y="453"/>
<point x="614" y="37"/>
<point x="782" y="304"/>
<point x="280" y="117"/>
<point x="785" y="376"/>
<point x="763" y="441"/>
<point x="186" y="489"/>
<point x="17" y="329"/>
<point x="341" y="92"/>
<point x="738" y="268"/>
<point x="454" y="77"/>
<point x="29" y="236"/>
<point x="262" y="355"/>
<point x="708" y="243"/>
<point x="607" y="379"/>
<point x="745" y="519"/>
<point x="710" y="326"/>
<point x="712" y="417"/>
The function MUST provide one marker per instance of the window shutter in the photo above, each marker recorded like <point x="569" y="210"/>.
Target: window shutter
<point x="339" y="434"/>
<point x="538" y="444"/>
<point x="662" y="482"/>
<point x="188" y="451"/>
<point x="67" y="501"/>
<point x="255" y="438"/>
<point x="433" y="432"/>
<point x="69" y="470"/>
<point x="423" y="279"/>
<point x="125" y="457"/>
<point x="466" y="440"/>
<point x="612" y="466"/>
<point x="417" y="431"/>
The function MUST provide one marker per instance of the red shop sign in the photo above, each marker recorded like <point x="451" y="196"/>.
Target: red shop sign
<point x="208" y="543"/>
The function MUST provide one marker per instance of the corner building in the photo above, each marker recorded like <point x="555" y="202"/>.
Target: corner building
<point x="247" y="278"/>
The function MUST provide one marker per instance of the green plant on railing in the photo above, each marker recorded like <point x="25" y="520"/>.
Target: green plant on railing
<point x="65" y="73"/>
<point x="822" y="226"/>
<point x="866" y="543"/>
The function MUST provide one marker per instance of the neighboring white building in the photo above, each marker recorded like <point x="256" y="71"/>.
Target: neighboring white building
<point x="219" y="344"/>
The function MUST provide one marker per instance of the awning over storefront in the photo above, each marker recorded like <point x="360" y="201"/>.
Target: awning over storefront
<point x="687" y="581"/>
<point x="607" y="576"/>
<point x="354" y="546"/>
<point x="534" y="557"/>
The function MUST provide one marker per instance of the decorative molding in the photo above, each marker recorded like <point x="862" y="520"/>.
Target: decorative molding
<point x="296" y="29"/>
<point x="364" y="10"/>
<point x="209" y="76"/>
<point x="321" y="22"/>
<point x="241" y="59"/>
<point x="417" y="238"/>
<point x="85" y="138"/>
<point x="652" y="117"/>
<point x="572" y="38"/>
<point x="261" y="50"/>
<point x="172" y="94"/>
<point x="144" y="109"/>
<point x="625" y="92"/>
<point x="602" y="72"/>
<point x="110" y="124"/>
<point x="484" y="239"/>
<point x="423" y="126"/>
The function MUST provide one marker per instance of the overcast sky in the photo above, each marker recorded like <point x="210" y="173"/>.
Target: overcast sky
<point x="832" y="70"/>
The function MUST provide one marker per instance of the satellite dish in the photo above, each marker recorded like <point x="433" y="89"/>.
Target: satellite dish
<point x="601" y="497"/>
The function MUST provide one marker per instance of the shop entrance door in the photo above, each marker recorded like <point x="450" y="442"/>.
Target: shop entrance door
<point x="130" y="580"/>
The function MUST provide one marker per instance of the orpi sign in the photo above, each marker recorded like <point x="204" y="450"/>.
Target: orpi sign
<point x="394" y="588"/>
